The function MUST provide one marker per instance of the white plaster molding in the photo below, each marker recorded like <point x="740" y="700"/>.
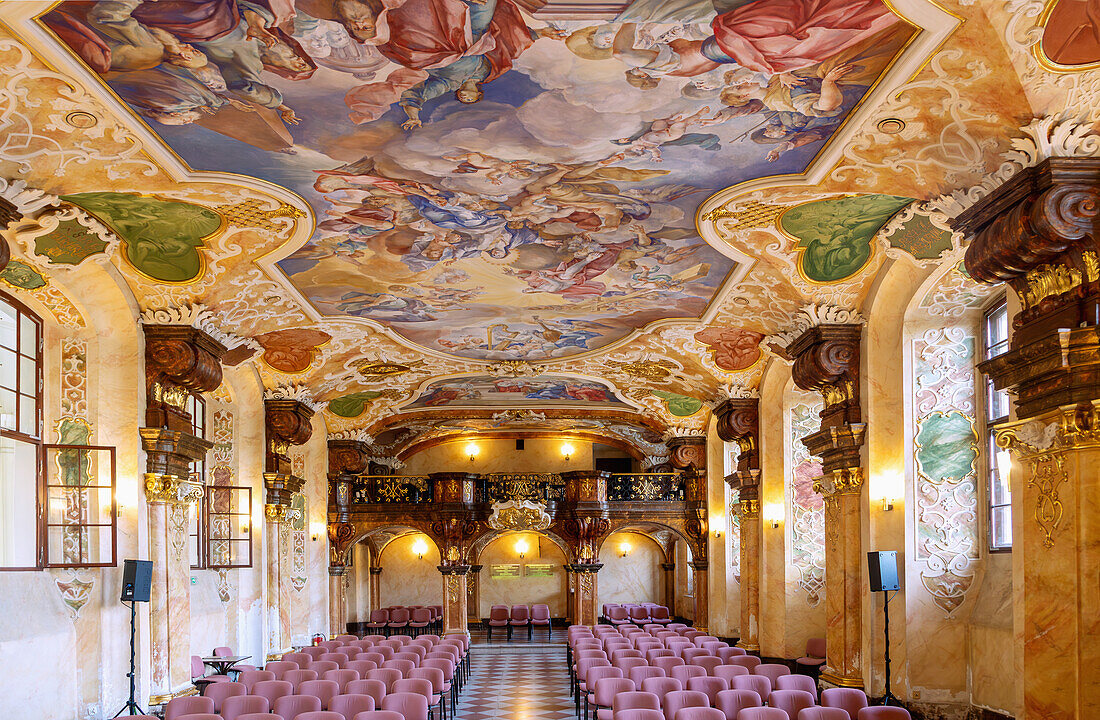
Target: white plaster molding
<point x="294" y="392"/>
<point x="201" y="318"/>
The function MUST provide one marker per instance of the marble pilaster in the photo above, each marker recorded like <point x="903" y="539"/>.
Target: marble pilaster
<point x="454" y="599"/>
<point x="337" y="600"/>
<point x="585" y="609"/>
<point x="375" y="588"/>
<point x="702" y="593"/>
<point x="749" y="510"/>
<point x="276" y="539"/>
<point x="668" y="575"/>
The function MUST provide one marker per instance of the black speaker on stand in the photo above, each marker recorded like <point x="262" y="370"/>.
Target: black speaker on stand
<point x="137" y="578"/>
<point x="882" y="569"/>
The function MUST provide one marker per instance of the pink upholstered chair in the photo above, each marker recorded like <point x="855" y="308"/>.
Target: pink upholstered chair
<point x="625" y="653"/>
<point x="520" y="617"/>
<point x="334" y="657"/>
<point x="347" y="638"/>
<point x="272" y="690"/>
<point x="361" y="667"/>
<point x="324" y="690"/>
<point x="636" y="700"/>
<point x="685" y="672"/>
<point x="699" y="713"/>
<point x="629" y="663"/>
<point x="178" y="707"/>
<point x="708" y="663"/>
<point x="797" y="682"/>
<point x="639" y="615"/>
<point x="692" y="633"/>
<point x="420" y="619"/>
<point x="498" y="618"/>
<point x="321" y="715"/>
<point x="762" y="713"/>
<point x="379" y="715"/>
<point x="652" y="654"/>
<point x="378" y="619"/>
<point x="323" y="666"/>
<point x="314" y="651"/>
<point x="402" y="666"/>
<point x="759" y="684"/>
<point x="374" y="656"/>
<point x="199" y="676"/>
<point x="644" y="672"/>
<point x="749" y="661"/>
<point x="259" y="716"/>
<point x="350" y="705"/>
<point x="701" y="640"/>
<point x="728" y="652"/>
<point x="815" y="656"/>
<point x="689" y="653"/>
<point x="376" y="689"/>
<point x="791" y="701"/>
<point x="823" y="713"/>
<point x="667" y="663"/>
<point x="639" y="714"/>
<point x="884" y="712"/>
<point x="732" y="702"/>
<point x="713" y="646"/>
<point x="618" y="615"/>
<point x="249" y="678"/>
<point x="291" y="706"/>
<point x="593" y="676"/>
<point x="395" y="643"/>
<point x="772" y="671"/>
<point x="302" y="660"/>
<point x="399" y="620"/>
<point x="297" y="677"/>
<point x="234" y="707"/>
<point x="413" y="657"/>
<point x="679" y="699"/>
<point x="418" y="649"/>
<point x="850" y="699"/>
<point x="710" y="686"/>
<point x="329" y="645"/>
<point x="387" y="675"/>
<point x="540" y="616"/>
<point x="604" y="694"/>
<point x="218" y="692"/>
<point x="440" y="688"/>
<point x="341" y="677"/>
<point x="659" y="615"/>
<point x="411" y="706"/>
<point x="200" y="716"/>
<point x="661" y="686"/>
<point x="729" y="672"/>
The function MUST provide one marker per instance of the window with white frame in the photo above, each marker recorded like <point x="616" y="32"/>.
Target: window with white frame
<point x="197" y="518"/>
<point x="999" y="492"/>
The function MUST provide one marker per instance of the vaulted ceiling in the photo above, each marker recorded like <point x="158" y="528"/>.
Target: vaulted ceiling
<point x="445" y="216"/>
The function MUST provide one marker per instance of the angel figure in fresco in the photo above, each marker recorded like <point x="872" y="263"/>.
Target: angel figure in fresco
<point x="672" y="131"/>
<point x="496" y="169"/>
<point x="441" y="46"/>
<point x="387" y="307"/>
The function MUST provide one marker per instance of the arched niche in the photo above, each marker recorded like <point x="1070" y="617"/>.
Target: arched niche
<point x="410" y="571"/>
<point x="631" y="570"/>
<point x="541" y="578"/>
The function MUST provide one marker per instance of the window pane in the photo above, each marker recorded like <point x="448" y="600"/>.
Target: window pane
<point x="28" y="377"/>
<point x="1002" y="526"/>
<point x="18" y="503"/>
<point x="28" y="336"/>
<point x="28" y="415"/>
<point x="7" y="409"/>
<point x="7" y="325"/>
<point x="7" y="368"/>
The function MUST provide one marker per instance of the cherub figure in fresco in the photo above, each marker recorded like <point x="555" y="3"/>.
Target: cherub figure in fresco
<point x="496" y="169"/>
<point x="672" y="130"/>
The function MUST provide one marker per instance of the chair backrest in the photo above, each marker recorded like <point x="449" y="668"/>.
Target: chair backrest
<point x="639" y="714"/>
<point x="373" y="656"/>
<point x="223" y="651"/>
<point x="709" y="686"/>
<point x="394" y="643"/>
<point x="498" y="612"/>
<point x="198" y="669"/>
<point x="413" y="657"/>
<point x="360" y="667"/>
<point x="815" y="647"/>
<point x="667" y="663"/>
<point x="350" y="705"/>
<point x="291" y="706"/>
<point x="638" y="613"/>
<point x="659" y="612"/>
<point x="432" y="675"/>
<point x="749" y="661"/>
<point x="329" y="645"/>
<point x="762" y="713"/>
<point x="302" y="659"/>
<point x="386" y="675"/>
<point x="771" y="671"/>
<point x="699" y="713"/>
<point x="595" y="674"/>
<point x="379" y="715"/>
<point x="684" y="672"/>
<point x="797" y="682"/>
<point x="713" y="646"/>
<point x="690" y="652"/>
<point x="883" y="712"/>
<point x="417" y="649"/>
<point x="234" y="707"/>
<point x="402" y="666"/>
<point x="324" y="690"/>
<point x="272" y="690"/>
<point x="624" y="653"/>
<point x="642" y="672"/>
<point x="732" y="702"/>
<point x="520" y="613"/>
<point x="400" y="615"/>
<point x="379" y="616"/>
<point x="679" y="699"/>
<point x="652" y="654"/>
<point x="727" y="652"/>
<point x="661" y="686"/>
<point x="334" y="657"/>
<point x="180" y="706"/>
<point x="257" y="716"/>
<point x="421" y="615"/>
<point x="759" y="684"/>
<point x="617" y="612"/>
<point x="218" y="692"/>
<point x="708" y="663"/>
<point x="446" y="665"/>
<point x="540" y="613"/>
<point x="729" y="672"/>
<point x="375" y="688"/>
<point x="823" y="713"/>
<point x="791" y="701"/>
<point x="314" y="651"/>
<point x="419" y="686"/>
<point x="200" y="716"/>
<point x="635" y="700"/>
<point x="320" y="666"/>
<point x="249" y="678"/>
<point x="297" y="677"/>
<point x="320" y="715"/>
<point x="347" y="638"/>
<point x="280" y="667"/>
<point x="606" y="689"/>
<point x="412" y="706"/>
<point x="850" y="699"/>
<point x="700" y="640"/>
<point x="627" y="664"/>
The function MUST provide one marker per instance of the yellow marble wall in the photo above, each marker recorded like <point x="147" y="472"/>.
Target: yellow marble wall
<point x="407" y="579"/>
<point x="724" y="597"/>
<point x="773" y="562"/>
<point x="524" y="590"/>
<point x="501" y="456"/>
<point x="359" y="584"/>
<point x="635" y="578"/>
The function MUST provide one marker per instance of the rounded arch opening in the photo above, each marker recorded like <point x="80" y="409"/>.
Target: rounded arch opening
<point x="631" y="570"/>
<point x="410" y="570"/>
<point x="523" y="568"/>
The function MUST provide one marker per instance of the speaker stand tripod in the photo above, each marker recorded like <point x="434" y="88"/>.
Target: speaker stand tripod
<point x="131" y="704"/>
<point x="889" y="696"/>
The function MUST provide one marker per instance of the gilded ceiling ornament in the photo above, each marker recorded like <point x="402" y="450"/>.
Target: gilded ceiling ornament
<point x="509" y="417"/>
<point x="374" y="370"/>
<point x="752" y="214"/>
<point x="519" y="515"/>
<point x="294" y="392"/>
<point x="651" y="370"/>
<point x="515" y="368"/>
<point x="1047" y="280"/>
<point x="250" y="213"/>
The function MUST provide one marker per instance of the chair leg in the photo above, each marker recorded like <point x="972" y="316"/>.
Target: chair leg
<point x="528" y="632"/>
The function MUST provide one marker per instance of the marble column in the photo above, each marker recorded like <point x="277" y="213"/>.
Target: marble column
<point x="702" y="609"/>
<point x="586" y="610"/>
<point x="454" y="599"/>
<point x="749" y="510"/>
<point x="277" y="605"/>
<point x="473" y="596"/>
<point x="1037" y="233"/>
<point x="375" y="588"/>
<point x="337" y="600"/>
<point x="843" y="587"/>
<point x="169" y="502"/>
<point x="668" y="575"/>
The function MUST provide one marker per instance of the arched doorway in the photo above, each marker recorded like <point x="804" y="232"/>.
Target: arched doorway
<point x="523" y="568"/>
<point x="410" y="571"/>
<point x="631" y="570"/>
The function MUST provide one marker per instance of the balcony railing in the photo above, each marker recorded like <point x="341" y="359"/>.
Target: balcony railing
<point x="501" y="487"/>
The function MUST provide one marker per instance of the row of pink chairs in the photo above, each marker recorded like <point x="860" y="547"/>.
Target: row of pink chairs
<point x="518" y="616"/>
<point x="636" y="614"/>
<point x="411" y="619"/>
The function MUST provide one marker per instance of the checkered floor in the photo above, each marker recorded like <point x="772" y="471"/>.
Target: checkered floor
<point x="516" y="683"/>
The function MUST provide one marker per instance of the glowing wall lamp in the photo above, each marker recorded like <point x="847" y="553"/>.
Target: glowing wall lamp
<point x="773" y="514"/>
<point x="624" y="548"/>
<point x="522" y="547"/>
<point x="567" y="450"/>
<point x="420" y="547"/>
<point x="316" y="530"/>
<point x="472" y="450"/>
<point x="889" y="489"/>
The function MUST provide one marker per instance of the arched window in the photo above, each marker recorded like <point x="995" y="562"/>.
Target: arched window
<point x="995" y="342"/>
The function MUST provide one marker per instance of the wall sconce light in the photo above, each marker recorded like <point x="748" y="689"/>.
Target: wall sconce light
<point x="522" y="547"/>
<point x="1004" y="467"/>
<point x="567" y="450"/>
<point x="717" y="534"/>
<point x="420" y="547"/>
<point x="472" y="450"/>
<point x="889" y="489"/>
<point x="773" y="514"/>
<point x="624" y="548"/>
<point x="316" y="530"/>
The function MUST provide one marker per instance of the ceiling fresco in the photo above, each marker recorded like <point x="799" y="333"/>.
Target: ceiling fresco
<point x="521" y="216"/>
<point x="488" y="183"/>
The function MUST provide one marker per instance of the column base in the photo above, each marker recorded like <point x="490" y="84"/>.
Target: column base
<point x="831" y="677"/>
<point x="749" y="647"/>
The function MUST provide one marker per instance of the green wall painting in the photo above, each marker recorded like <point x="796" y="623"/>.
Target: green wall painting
<point x="353" y="405"/>
<point x="69" y="244"/>
<point x="947" y="446"/>
<point x="679" y="405"/>
<point x="921" y="239"/>
<point x="22" y="275"/>
<point x="161" y="238"/>
<point x="834" y="236"/>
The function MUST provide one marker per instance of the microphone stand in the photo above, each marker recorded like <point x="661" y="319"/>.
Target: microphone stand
<point x="131" y="704"/>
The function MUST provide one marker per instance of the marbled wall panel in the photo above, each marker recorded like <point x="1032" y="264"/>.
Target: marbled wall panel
<point x="407" y="579"/>
<point x="315" y="594"/>
<point x="635" y="578"/>
<point x="501" y="456"/>
<point x="774" y="435"/>
<point x="685" y="581"/>
<point x="525" y="590"/>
